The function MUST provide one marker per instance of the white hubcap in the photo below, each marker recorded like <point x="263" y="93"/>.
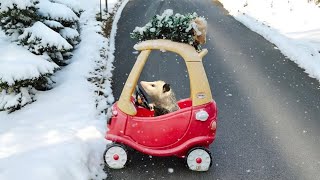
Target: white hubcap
<point x="116" y="157"/>
<point x="199" y="160"/>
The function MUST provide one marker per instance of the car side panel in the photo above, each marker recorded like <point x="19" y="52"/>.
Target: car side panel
<point x="159" y="131"/>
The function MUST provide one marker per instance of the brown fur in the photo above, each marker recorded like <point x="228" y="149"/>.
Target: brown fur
<point x="163" y="101"/>
<point x="202" y="27"/>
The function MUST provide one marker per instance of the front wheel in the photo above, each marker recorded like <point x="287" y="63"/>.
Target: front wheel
<point x="199" y="159"/>
<point x="115" y="156"/>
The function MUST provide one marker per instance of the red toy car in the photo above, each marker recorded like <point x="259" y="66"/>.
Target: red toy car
<point x="186" y="133"/>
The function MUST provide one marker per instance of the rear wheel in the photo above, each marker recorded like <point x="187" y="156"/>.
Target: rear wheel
<point x="199" y="159"/>
<point x="115" y="156"/>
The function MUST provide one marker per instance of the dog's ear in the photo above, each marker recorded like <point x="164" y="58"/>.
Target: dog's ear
<point x="166" y="88"/>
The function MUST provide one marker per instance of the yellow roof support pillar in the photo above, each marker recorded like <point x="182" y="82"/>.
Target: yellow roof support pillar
<point x="124" y="103"/>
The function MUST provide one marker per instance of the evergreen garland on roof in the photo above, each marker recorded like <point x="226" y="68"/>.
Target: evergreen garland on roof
<point x="176" y="27"/>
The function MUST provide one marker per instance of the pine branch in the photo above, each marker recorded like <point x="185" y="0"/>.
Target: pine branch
<point x="175" y="27"/>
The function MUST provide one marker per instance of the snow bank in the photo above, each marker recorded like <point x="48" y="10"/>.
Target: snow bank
<point x="104" y="75"/>
<point x="114" y="29"/>
<point x="17" y="63"/>
<point x="111" y="4"/>
<point x="59" y="136"/>
<point x="293" y="26"/>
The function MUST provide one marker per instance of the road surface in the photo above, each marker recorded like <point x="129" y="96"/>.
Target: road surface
<point x="269" y="114"/>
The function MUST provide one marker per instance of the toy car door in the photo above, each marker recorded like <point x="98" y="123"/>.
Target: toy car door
<point x="159" y="131"/>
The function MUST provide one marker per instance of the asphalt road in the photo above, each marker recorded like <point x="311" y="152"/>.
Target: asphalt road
<point x="269" y="109"/>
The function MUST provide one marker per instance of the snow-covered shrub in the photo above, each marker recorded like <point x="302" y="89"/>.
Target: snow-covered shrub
<point x="64" y="23"/>
<point x="57" y="12"/>
<point x="14" y="100"/>
<point x="44" y="27"/>
<point x="40" y="39"/>
<point x="47" y="28"/>
<point x="72" y="4"/>
<point x="71" y="35"/>
<point x="56" y="26"/>
<point x="15" y="15"/>
<point x="21" y="74"/>
<point x="176" y="27"/>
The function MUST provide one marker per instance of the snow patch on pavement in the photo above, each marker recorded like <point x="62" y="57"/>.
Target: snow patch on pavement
<point x="114" y="30"/>
<point x="293" y="26"/>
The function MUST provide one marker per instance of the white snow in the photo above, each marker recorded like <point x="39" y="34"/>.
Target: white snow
<point x="111" y="4"/>
<point x="69" y="33"/>
<point x="56" y="11"/>
<point x="165" y="15"/>
<point x="60" y="135"/>
<point x="14" y="99"/>
<point x="152" y="30"/>
<point x="57" y="137"/>
<point x="53" y="24"/>
<point x="170" y="170"/>
<point x="49" y="38"/>
<point x="293" y="26"/>
<point x="195" y="27"/>
<point x="21" y="4"/>
<point x="141" y="30"/>
<point x="73" y="4"/>
<point x="114" y="31"/>
<point x="17" y="63"/>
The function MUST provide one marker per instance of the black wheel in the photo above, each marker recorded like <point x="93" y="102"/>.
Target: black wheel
<point x="115" y="156"/>
<point x="199" y="159"/>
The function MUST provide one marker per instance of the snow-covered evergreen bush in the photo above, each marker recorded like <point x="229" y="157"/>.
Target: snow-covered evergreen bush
<point x="72" y="4"/>
<point x="14" y="100"/>
<point x="57" y="12"/>
<point x="54" y="25"/>
<point x="47" y="28"/>
<point x="62" y="25"/>
<point x="15" y="15"/>
<point x="40" y="39"/>
<point x="176" y="27"/>
<point x="71" y="35"/>
<point x="44" y="27"/>
<point x="21" y="74"/>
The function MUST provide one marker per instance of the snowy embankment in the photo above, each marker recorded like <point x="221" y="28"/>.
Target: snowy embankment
<point x="61" y="135"/>
<point x="292" y="25"/>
